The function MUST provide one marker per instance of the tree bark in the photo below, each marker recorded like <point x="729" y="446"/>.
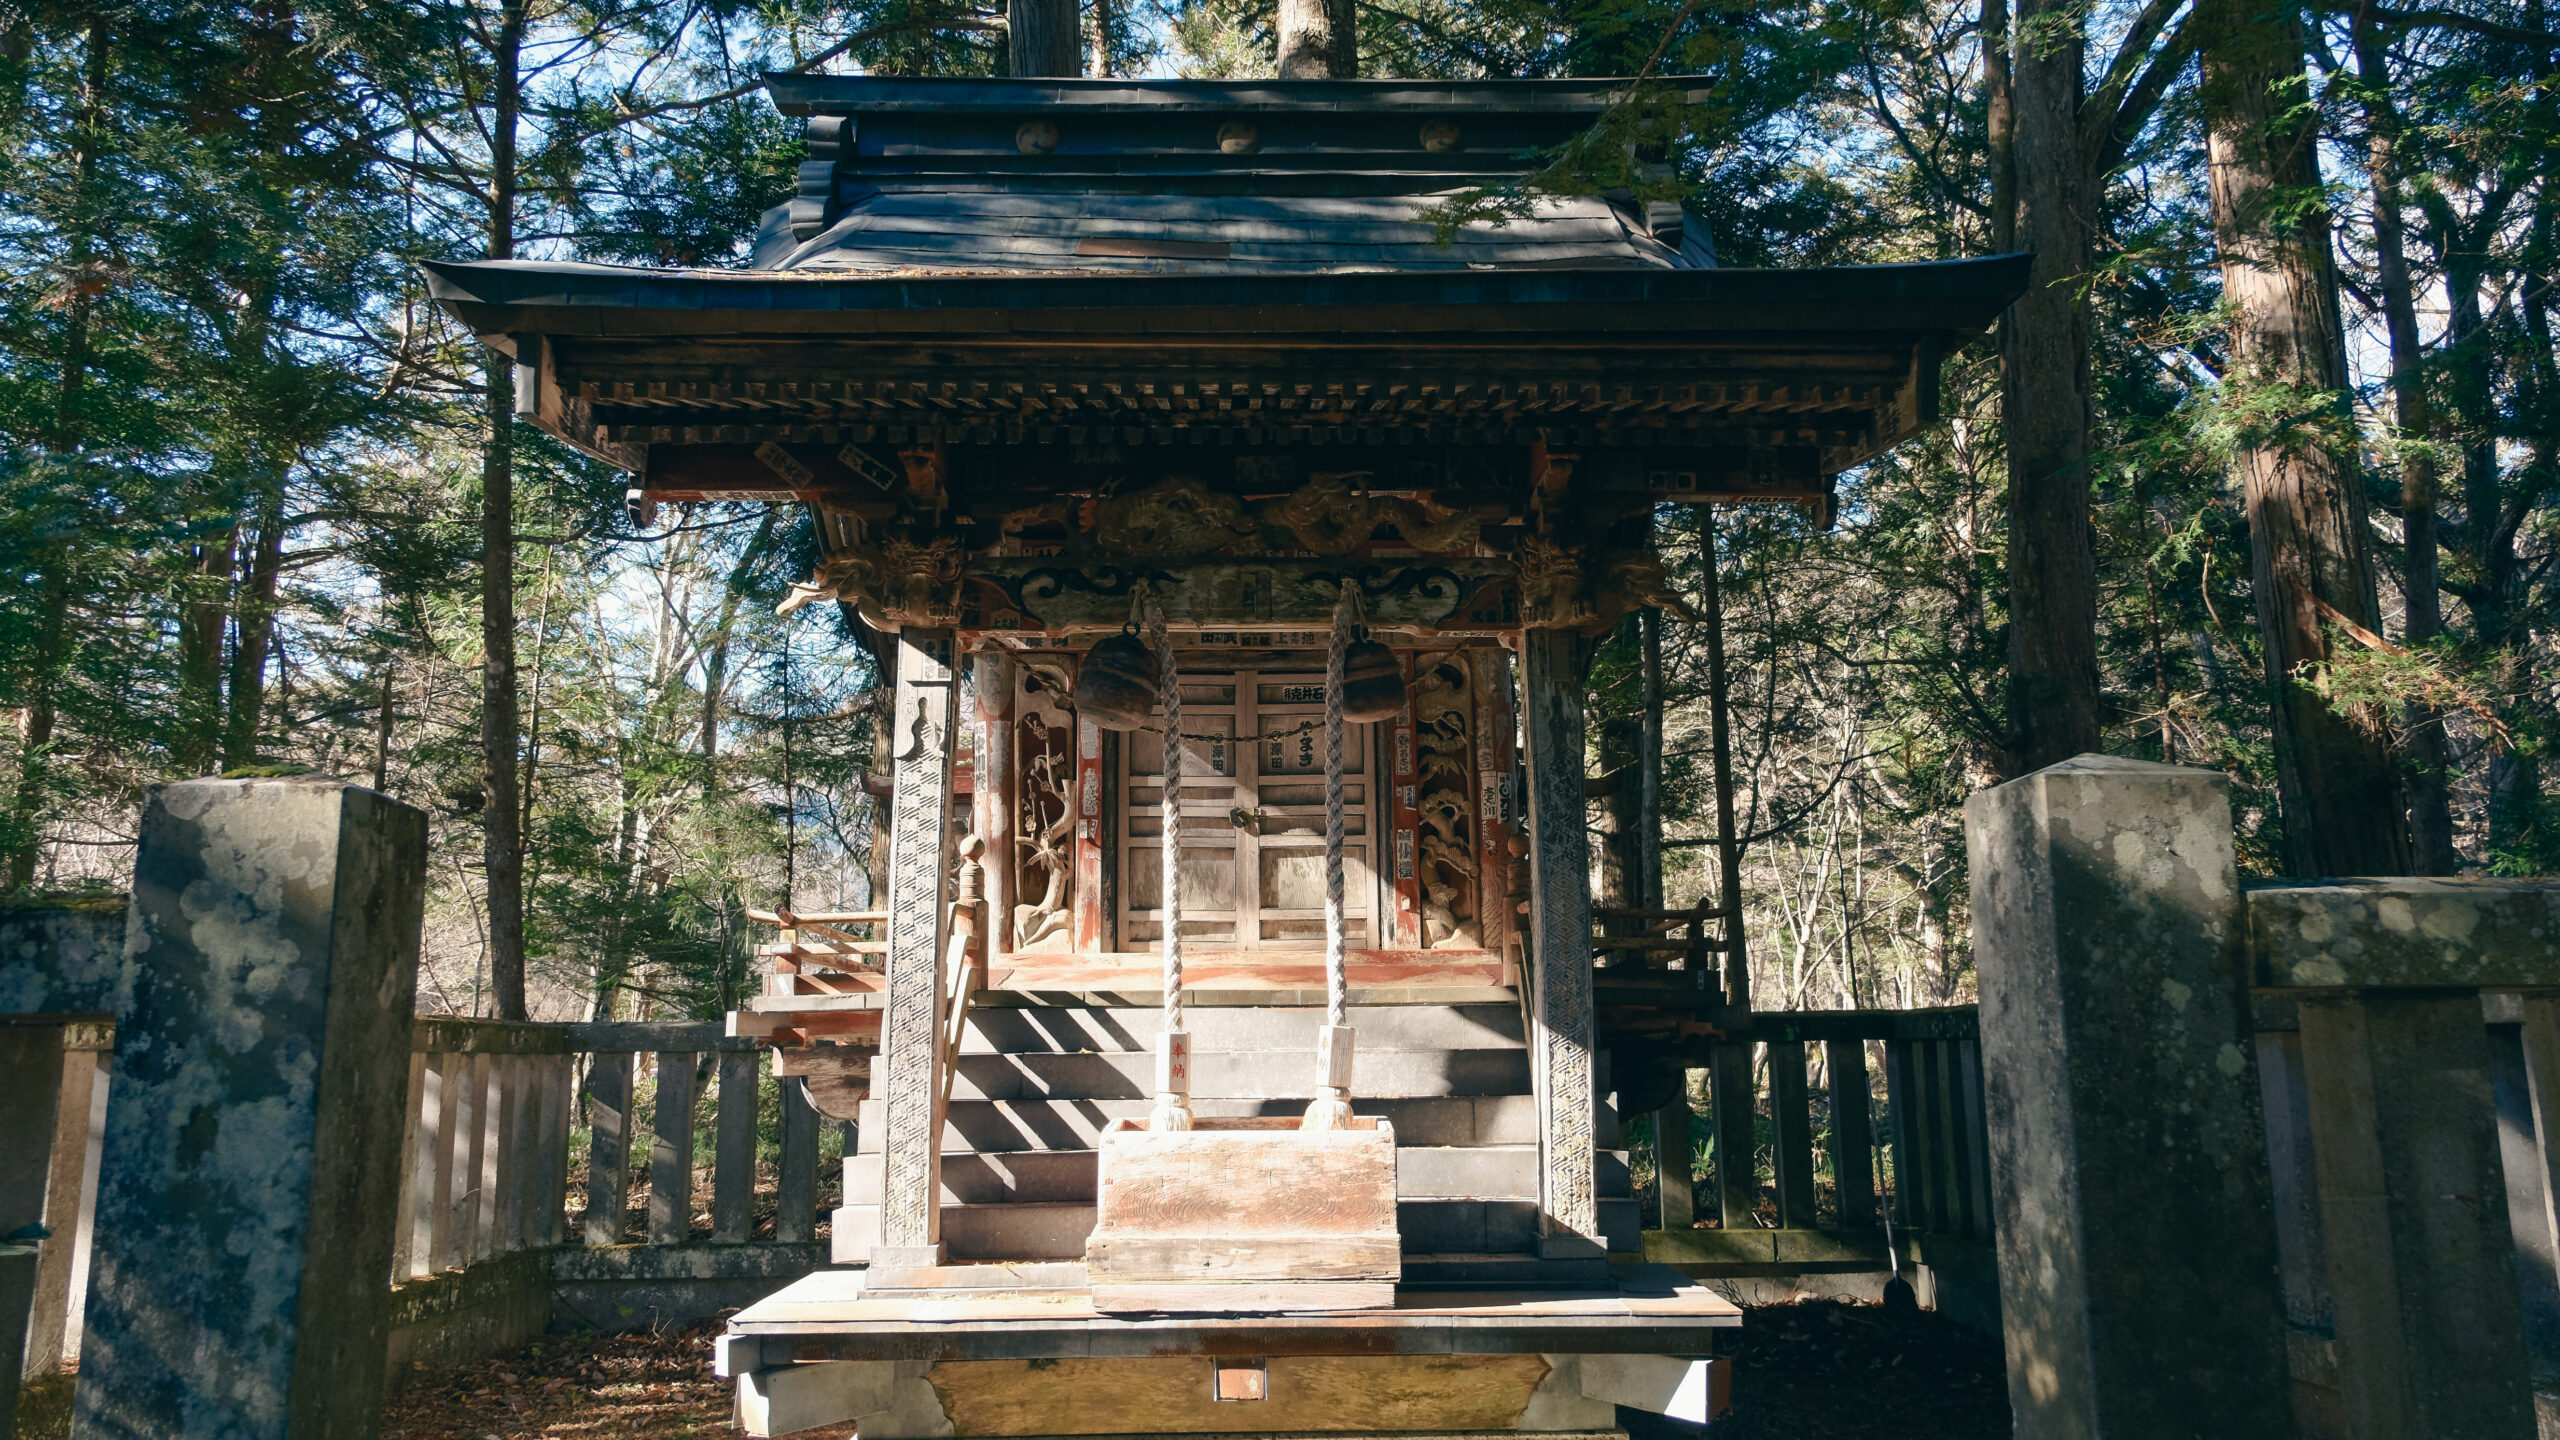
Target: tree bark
<point x="1319" y="40"/>
<point x="1102" y="22"/>
<point x="2000" y="125"/>
<point x="253" y="631"/>
<point x="502" y="846"/>
<point x="1041" y="38"/>
<point x="204" y="618"/>
<point x="52" y="648"/>
<point x="2345" y="812"/>
<point x="2430" y="801"/>
<point x="2053" y="587"/>
<point x="1649" y="766"/>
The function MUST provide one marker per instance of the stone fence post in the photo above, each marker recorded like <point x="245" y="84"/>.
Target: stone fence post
<point x="2137" y="1248"/>
<point x="239" y="1281"/>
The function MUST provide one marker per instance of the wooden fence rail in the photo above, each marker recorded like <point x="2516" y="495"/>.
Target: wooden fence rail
<point x="1936" y="1177"/>
<point x="490" y="1122"/>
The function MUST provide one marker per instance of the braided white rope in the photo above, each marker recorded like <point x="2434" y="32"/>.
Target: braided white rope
<point x="1173" y="1047"/>
<point x="1331" y="1109"/>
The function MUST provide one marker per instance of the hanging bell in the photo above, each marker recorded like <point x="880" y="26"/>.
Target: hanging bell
<point x="1372" y="682"/>
<point x="1116" y="685"/>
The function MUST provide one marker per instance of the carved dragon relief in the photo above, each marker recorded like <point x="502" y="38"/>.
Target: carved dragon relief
<point x="902" y="583"/>
<point x="1564" y="588"/>
<point x="1046" y="828"/>
<point x="1443" y="728"/>
<point x="1182" y="518"/>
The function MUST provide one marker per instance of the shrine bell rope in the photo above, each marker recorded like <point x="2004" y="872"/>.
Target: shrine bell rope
<point x="1173" y="1046"/>
<point x="1331" y="1109"/>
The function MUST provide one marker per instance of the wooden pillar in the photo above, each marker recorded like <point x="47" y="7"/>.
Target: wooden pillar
<point x="1559" y="926"/>
<point x="921" y="724"/>
<point x="1853" y="1168"/>
<point x="1791" y="1135"/>
<point x="991" y="790"/>
<point x="1736" y="1139"/>
<point x="1674" y="1179"/>
<point x="1401" y="928"/>
<point x="1084" y="895"/>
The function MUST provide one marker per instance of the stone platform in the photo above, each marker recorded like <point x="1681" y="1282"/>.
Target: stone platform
<point x="1040" y="1360"/>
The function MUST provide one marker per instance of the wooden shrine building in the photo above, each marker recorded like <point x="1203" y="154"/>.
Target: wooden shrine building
<point x="1041" y="354"/>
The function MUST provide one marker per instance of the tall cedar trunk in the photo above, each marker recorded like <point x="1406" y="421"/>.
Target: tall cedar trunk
<point x="2430" y="805"/>
<point x="2498" y="615"/>
<point x="1101" y="20"/>
<point x="53" y="634"/>
<point x="1319" y="40"/>
<point x="502" y="834"/>
<point x="253" y="631"/>
<point x="2344" y="809"/>
<point x="2053" y="586"/>
<point x="2000" y="125"/>
<point x="1041" y="38"/>
<point x="204" y="618"/>
<point x="1616" y="740"/>
<point x="1649" y="766"/>
<point x="715" y="663"/>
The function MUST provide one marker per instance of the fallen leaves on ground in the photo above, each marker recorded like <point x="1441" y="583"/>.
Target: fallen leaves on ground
<point x="1824" y="1370"/>
<point x="637" y="1385"/>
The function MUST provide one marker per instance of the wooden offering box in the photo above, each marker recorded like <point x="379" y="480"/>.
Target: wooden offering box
<point x="1245" y="1216"/>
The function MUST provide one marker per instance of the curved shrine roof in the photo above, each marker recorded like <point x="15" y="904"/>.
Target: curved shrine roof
<point x="1194" y="177"/>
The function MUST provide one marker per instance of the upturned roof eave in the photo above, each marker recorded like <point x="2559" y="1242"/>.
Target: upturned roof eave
<point x="1950" y="297"/>
<point x="801" y="95"/>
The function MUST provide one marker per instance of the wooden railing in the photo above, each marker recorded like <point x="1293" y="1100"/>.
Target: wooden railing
<point x="1822" y="1146"/>
<point x="491" y="1115"/>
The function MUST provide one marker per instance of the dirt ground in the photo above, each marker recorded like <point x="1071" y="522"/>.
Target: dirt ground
<point x="1813" y="1371"/>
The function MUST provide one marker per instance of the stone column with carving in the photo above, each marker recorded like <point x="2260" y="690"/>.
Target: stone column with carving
<point x="1559" y="926"/>
<point x="920" y="737"/>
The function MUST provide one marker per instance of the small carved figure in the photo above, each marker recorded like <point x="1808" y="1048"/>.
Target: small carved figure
<point x="1550" y="583"/>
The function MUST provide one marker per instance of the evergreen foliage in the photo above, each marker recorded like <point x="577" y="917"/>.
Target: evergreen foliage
<point x="241" y="457"/>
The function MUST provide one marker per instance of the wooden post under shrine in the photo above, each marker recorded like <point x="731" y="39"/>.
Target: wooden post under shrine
<point x="921" y="732"/>
<point x="1559" y="927"/>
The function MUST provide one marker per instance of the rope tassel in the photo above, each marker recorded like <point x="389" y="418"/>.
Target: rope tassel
<point x="1173" y="1045"/>
<point x="1331" y="1109"/>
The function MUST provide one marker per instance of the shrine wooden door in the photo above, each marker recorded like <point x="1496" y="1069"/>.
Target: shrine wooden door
<point x="1252" y="842"/>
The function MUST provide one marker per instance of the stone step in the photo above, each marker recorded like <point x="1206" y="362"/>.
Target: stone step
<point x="1004" y="1126"/>
<point x="1501" y="1172"/>
<point x="1057" y="1231"/>
<point x="1072" y="1029"/>
<point x="1240" y="1075"/>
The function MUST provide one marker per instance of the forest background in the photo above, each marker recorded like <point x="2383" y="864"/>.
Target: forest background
<point x="2259" y="476"/>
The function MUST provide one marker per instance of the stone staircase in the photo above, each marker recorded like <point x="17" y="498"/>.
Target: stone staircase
<point x="1037" y="1082"/>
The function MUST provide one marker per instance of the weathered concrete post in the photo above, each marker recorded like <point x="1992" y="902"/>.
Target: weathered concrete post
<point x="2138" y="1283"/>
<point x="240" y="1276"/>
